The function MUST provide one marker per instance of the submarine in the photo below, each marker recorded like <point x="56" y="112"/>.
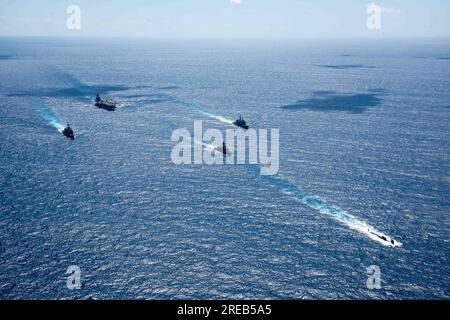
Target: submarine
<point x="386" y="239"/>
<point x="241" y="123"/>
<point x="109" y="105"/>
<point x="68" y="132"/>
<point x="223" y="149"/>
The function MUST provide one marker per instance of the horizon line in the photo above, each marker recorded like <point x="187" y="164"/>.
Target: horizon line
<point x="380" y="37"/>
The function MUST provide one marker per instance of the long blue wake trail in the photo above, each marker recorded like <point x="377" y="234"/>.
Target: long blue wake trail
<point x="203" y="111"/>
<point x="332" y="211"/>
<point x="313" y="202"/>
<point x="48" y="115"/>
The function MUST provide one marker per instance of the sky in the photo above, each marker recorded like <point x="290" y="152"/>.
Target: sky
<point x="226" y="18"/>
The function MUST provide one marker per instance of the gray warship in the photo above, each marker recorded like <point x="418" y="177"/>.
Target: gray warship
<point x="105" y="104"/>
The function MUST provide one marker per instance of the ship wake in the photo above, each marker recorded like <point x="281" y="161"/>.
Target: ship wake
<point x="48" y="115"/>
<point x="335" y="212"/>
<point x="207" y="146"/>
<point x="313" y="202"/>
<point x="203" y="111"/>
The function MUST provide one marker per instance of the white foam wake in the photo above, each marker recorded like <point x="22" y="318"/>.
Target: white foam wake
<point x="337" y="213"/>
<point x="204" y="112"/>
<point x="205" y="145"/>
<point x="50" y="116"/>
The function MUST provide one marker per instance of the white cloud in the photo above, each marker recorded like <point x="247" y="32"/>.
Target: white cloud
<point x="236" y="1"/>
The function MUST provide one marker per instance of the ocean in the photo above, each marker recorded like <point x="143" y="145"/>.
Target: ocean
<point x="364" y="148"/>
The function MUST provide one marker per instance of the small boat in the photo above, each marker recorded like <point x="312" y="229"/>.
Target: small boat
<point x="105" y="104"/>
<point x="241" y="123"/>
<point x="68" y="132"/>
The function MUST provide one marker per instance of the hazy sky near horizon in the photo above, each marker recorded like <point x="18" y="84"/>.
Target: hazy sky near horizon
<point x="226" y="18"/>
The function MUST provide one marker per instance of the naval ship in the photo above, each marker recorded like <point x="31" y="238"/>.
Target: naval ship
<point x="105" y="104"/>
<point x="68" y="132"/>
<point x="241" y="123"/>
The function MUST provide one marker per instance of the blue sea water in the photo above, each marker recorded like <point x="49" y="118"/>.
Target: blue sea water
<point x="364" y="139"/>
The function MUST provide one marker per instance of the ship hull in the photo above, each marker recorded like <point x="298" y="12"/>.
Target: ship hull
<point x="70" y="136"/>
<point x="106" y="106"/>
<point x="241" y="126"/>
